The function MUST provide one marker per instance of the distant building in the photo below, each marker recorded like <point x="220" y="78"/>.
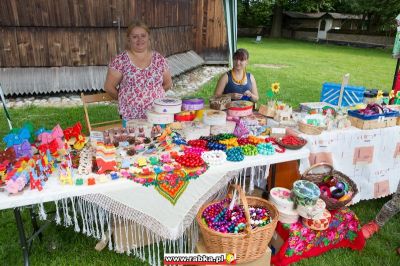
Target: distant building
<point x="344" y="29"/>
<point x="314" y="26"/>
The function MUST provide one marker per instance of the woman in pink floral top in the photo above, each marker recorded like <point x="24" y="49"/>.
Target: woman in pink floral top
<point x="138" y="75"/>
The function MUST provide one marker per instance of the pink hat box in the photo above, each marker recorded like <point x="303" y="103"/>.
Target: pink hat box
<point x="312" y="212"/>
<point x="319" y="224"/>
<point x="280" y="197"/>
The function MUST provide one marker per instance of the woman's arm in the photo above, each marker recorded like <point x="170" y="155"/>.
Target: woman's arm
<point x="253" y="94"/>
<point x="167" y="79"/>
<point x="223" y="80"/>
<point x="112" y="81"/>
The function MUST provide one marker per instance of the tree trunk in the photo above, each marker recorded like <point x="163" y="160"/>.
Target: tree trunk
<point x="276" y="30"/>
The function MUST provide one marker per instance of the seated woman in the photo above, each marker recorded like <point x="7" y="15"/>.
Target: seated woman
<point x="137" y="76"/>
<point x="238" y="83"/>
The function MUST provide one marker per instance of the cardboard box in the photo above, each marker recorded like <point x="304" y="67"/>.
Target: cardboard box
<point x="276" y="243"/>
<point x="265" y="260"/>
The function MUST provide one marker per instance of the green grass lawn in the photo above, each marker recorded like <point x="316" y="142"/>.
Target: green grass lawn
<point x="307" y="66"/>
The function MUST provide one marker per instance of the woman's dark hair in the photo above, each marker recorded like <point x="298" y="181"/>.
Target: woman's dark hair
<point x="241" y="54"/>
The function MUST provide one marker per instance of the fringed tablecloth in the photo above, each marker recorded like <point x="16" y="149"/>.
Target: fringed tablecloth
<point x="146" y="223"/>
<point x="301" y="242"/>
<point x="371" y="158"/>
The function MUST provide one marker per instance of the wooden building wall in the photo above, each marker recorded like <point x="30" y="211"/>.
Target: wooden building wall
<point x="54" y="33"/>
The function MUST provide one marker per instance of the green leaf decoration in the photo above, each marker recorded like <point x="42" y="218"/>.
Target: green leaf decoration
<point x="270" y="93"/>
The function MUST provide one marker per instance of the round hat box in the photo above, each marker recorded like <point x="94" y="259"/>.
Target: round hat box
<point x="319" y="224"/>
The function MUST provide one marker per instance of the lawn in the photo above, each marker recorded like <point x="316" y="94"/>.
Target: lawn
<point x="304" y="67"/>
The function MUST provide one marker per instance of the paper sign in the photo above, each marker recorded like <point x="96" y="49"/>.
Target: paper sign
<point x="321" y="157"/>
<point x="381" y="189"/>
<point x="397" y="151"/>
<point x="363" y="155"/>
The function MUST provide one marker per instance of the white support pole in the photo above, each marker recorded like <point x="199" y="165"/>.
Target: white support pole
<point x="3" y="100"/>
<point x="345" y="82"/>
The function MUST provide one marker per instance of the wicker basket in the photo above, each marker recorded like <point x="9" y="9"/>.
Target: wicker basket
<point x="310" y="129"/>
<point x="331" y="203"/>
<point x="249" y="245"/>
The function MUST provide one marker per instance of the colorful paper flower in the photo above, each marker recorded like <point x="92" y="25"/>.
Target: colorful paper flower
<point x="275" y="87"/>
<point x="379" y="95"/>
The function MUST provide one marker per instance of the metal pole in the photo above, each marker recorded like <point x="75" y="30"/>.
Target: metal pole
<point x="3" y="100"/>
<point x="22" y="236"/>
<point x="396" y="73"/>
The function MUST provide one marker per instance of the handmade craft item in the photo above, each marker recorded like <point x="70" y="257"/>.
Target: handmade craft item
<point x="220" y="102"/>
<point x="194" y="130"/>
<point x="240" y="108"/>
<point x="139" y="128"/>
<point x="321" y="223"/>
<point x="167" y="105"/>
<point x="185" y="116"/>
<point x="23" y="149"/>
<point x="306" y="193"/>
<point x="281" y="197"/>
<point x="235" y="154"/>
<point x="313" y="212"/>
<point x="214" y="118"/>
<point x="229" y="127"/>
<point x="17" y="138"/>
<point x="192" y="104"/>
<point x="159" y="118"/>
<point x="215" y="157"/>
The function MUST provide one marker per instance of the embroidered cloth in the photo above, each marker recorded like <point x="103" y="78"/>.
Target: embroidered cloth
<point x="301" y="242"/>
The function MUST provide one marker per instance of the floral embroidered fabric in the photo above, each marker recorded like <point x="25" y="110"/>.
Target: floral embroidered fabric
<point x="302" y="242"/>
<point x="138" y="87"/>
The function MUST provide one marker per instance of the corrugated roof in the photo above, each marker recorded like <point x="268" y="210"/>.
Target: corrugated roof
<point x="318" y="15"/>
<point x="293" y="14"/>
<point x="344" y="16"/>
<point x="30" y="80"/>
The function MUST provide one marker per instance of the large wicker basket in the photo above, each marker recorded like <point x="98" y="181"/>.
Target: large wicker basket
<point x="310" y="129"/>
<point x="247" y="246"/>
<point x="317" y="178"/>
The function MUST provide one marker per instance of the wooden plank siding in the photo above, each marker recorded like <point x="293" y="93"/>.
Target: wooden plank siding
<point x="55" y="33"/>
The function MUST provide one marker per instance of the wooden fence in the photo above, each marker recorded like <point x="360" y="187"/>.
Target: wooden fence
<point x="54" y="33"/>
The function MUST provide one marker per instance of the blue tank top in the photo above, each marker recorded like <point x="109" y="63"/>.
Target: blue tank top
<point x="232" y="87"/>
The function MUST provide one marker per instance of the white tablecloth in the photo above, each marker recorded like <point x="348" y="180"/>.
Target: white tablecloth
<point x="370" y="157"/>
<point x="141" y="213"/>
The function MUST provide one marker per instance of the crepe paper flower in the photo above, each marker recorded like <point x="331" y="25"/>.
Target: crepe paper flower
<point x="379" y="94"/>
<point x="391" y="94"/>
<point x="275" y="87"/>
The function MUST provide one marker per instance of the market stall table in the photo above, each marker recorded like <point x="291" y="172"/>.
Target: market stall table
<point x="124" y="202"/>
<point x="371" y="158"/>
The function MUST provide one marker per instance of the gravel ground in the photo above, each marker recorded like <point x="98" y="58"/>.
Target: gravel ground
<point x="184" y="84"/>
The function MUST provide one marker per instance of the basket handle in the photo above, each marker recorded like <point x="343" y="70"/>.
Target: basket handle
<point x="245" y="205"/>
<point x="318" y="165"/>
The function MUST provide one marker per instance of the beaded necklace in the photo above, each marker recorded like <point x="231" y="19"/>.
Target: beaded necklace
<point x="239" y="81"/>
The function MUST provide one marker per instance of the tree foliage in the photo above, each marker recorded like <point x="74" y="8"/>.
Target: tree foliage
<point x="378" y="15"/>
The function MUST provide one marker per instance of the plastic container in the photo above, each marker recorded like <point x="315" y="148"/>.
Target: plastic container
<point x="352" y="95"/>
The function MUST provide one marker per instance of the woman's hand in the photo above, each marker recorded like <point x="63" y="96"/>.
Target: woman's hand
<point x="236" y="96"/>
<point x="248" y="94"/>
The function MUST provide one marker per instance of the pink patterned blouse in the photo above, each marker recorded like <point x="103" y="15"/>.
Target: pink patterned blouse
<point x="138" y="87"/>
